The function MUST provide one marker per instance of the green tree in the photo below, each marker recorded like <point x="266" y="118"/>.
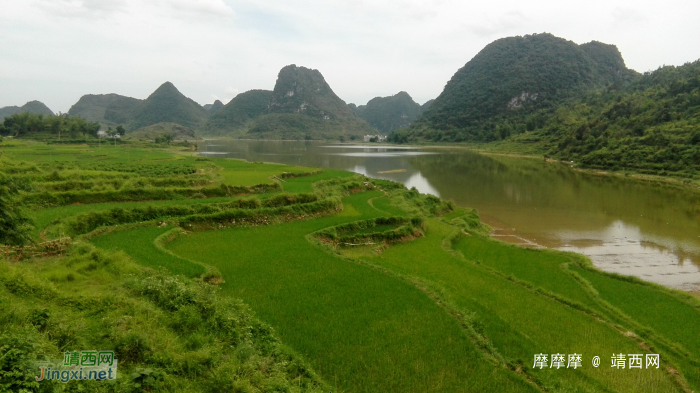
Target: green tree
<point x="164" y="138"/>
<point x="112" y="134"/>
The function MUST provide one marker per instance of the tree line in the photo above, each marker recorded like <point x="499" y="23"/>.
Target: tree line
<point x="39" y="126"/>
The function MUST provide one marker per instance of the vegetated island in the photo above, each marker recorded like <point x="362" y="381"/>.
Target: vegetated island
<point x="209" y="275"/>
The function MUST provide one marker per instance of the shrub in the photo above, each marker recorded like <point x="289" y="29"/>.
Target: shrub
<point x="18" y="351"/>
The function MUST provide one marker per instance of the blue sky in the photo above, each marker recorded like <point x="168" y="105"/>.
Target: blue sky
<point x="57" y="50"/>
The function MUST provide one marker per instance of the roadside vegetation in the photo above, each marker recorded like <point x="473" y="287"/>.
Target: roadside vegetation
<point x="222" y="275"/>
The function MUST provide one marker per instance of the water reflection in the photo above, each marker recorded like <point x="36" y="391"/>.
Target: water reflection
<point x="421" y="184"/>
<point x="625" y="249"/>
<point x="629" y="226"/>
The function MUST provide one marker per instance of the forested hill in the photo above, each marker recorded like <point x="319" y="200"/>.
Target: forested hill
<point x="36" y="107"/>
<point x="109" y="110"/>
<point x="240" y="110"/>
<point x="652" y="126"/>
<point x="301" y="106"/>
<point x="303" y="90"/>
<point x="214" y="108"/>
<point x="515" y="76"/>
<point x="389" y="113"/>
<point x="167" y="104"/>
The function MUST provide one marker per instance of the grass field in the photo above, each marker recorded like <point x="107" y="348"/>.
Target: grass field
<point x="440" y="311"/>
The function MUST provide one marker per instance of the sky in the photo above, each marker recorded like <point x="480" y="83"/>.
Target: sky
<point x="55" y="51"/>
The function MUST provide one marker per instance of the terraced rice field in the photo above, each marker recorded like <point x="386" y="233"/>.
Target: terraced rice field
<point x="444" y="309"/>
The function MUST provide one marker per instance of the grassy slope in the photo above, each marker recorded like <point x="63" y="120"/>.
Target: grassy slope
<point x="384" y="204"/>
<point x="167" y="325"/>
<point x="539" y="268"/>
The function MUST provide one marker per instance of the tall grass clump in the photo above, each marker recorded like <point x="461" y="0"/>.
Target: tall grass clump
<point x="371" y="231"/>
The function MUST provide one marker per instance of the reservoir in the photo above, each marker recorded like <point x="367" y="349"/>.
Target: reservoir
<point x="633" y="227"/>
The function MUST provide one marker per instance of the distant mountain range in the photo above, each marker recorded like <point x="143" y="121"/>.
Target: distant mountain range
<point x="512" y="87"/>
<point x="214" y="108"/>
<point x="242" y="109"/>
<point x="301" y="106"/>
<point x="302" y="100"/>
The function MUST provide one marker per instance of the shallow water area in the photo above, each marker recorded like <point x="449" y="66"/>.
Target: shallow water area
<point x="646" y="229"/>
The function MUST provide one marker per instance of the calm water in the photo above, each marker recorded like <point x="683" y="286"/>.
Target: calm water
<point x="627" y="226"/>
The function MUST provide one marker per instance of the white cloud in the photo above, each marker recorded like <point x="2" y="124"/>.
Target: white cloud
<point x="202" y="7"/>
<point x="81" y="8"/>
<point x="499" y="26"/>
<point x="628" y="15"/>
<point x="364" y="48"/>
<point x="230" y="93"/>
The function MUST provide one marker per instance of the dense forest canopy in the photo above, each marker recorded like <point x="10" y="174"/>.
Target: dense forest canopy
<point x="168" y="105"/>
<point x="387" y="114"/>
<point x="37" y="107"/>
<point x="651" y="126"/>
<point x="301" y="106"/>
<point x="517" y="75"/>
<point x="241" y="109"/>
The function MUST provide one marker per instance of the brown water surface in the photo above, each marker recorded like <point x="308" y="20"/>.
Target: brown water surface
<point x="646" y="229"/>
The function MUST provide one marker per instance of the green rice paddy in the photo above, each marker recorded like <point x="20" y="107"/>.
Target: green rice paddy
<point x="138" y="244"/>
<point x="448" y="311"/>
<point x="362" y="330"/>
